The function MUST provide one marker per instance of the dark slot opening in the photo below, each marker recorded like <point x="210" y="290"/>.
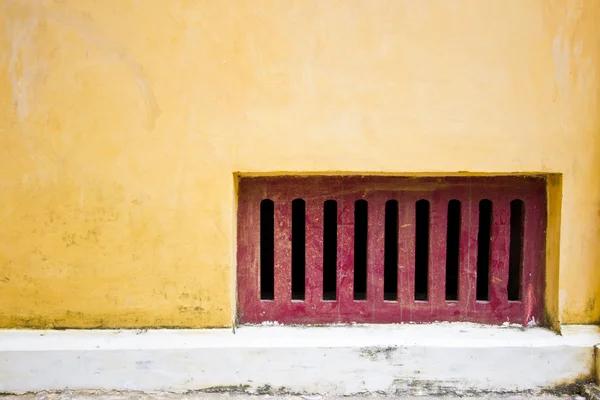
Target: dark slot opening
<point x="422" y="250"/>
<point x="453" y="250"/>
<point x="329" y="249"/>
<point x="390" y="258"/>
<point x="298" y="248"/>
<point x="484" y="238"/>
<point x="360" y="249"/>
<point x="517" y="208"/>
<point x="267" y="248"/>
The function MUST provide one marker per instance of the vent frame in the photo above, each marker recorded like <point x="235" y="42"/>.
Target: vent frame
<point x="377" y="190"/>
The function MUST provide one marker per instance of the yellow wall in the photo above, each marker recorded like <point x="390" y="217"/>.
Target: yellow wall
<point x="122" y="123"/>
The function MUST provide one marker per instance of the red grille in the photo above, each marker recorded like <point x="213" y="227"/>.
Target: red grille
<point x="437" y="234"/>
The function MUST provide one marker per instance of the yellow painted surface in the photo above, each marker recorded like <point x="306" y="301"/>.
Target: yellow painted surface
<point x="552" y="300"/>
<point x="122" y="123"/>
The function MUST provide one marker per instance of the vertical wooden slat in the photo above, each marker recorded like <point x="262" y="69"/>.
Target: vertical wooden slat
<point x="283" y="253"/>
<point x="533" y="258"/>
<point x="538" y="248"/>
<point x="468" y="256"/>
<point x="406" y="254"/>
<point x="438" y="223"/>
<point x="314" y="251"/>
<point x="248" y="255"/>
<point x="375" y="251"/>
<point x="500" y="252"/>
<point x="345" y="283"/>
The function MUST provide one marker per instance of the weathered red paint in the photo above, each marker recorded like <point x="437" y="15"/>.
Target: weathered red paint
<point x="501" y="190"/>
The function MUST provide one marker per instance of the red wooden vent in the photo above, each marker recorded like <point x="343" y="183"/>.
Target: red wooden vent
<point x="314" y="250"/>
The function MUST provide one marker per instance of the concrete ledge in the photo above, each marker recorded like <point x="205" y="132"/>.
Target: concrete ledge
<point x="336" y="360"/>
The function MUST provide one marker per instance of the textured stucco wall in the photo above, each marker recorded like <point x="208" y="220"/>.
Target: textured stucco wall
<point x="123" y="122"/>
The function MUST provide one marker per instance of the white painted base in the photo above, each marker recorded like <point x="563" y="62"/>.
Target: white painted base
<point x="335" y="360"/>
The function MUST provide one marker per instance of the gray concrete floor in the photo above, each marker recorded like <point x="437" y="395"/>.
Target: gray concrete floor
<point x="237" y="396"/>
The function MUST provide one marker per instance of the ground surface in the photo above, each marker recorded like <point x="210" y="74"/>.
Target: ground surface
<point x="233" y="396"/>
